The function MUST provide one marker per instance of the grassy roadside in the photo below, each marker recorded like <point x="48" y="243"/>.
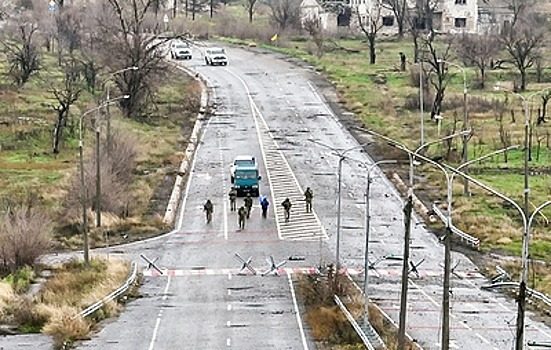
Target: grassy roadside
<point x="28" y="168"/>
<point x="380" y="94"/>
<point x="71" y="288"/>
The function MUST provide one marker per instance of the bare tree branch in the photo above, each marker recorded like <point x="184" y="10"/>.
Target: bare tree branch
<point x="22" y="52"/>
<point x="370" y="24"/>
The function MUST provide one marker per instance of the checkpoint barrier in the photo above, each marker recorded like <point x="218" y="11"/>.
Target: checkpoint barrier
<point x="117" y="292"/>
<point x="473" y="241"/>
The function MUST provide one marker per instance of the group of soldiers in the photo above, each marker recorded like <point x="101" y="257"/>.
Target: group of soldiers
<point x="244" y="212"/>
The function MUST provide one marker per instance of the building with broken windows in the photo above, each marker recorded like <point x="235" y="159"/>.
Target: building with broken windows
<point x="446" y="16"/>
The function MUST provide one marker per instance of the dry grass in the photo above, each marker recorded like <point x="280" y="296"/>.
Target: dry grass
<point x="7" y="297"/>
<point x="71" y="289"/>
<point x="63" y="326"/>
<point x="328" y="324"/>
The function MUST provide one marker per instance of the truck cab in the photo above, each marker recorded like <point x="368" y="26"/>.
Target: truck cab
<point x="240" y="161"/>
<point x="246" y="180"/>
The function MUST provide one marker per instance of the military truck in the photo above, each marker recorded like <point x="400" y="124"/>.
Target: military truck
<point x="245" y="176"/>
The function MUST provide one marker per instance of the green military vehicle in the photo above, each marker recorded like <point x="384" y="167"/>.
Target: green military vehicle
<point x="245" y="176"/>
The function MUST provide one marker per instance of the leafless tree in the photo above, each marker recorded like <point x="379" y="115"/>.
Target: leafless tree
<point x="66" y="95"/>
<point x="22" y="52"/>
<point x="312" y="25"/>
<point x="195" y="7"/>
<point x="479" y="50"/>
<point x="285" y="13"/>
<point x="419" y="20"/>
<point x="250" y="7"/>
<point x="400" y="10"/>
<point x="124" y="45"/>
<point x="370" y="23"/>
<point x="438" y="73"/>
<point x="545" y="97"/>
<point x="519" y="8"/>
<point x="522" y="41"/>
<point x="116" y="171"/>
<point x="69" y="23"/>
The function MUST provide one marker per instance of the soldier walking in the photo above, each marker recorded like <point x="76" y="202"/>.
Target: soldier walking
<point x="264" y="204"/>
<point x="248" y="204"/>
<point x="308" y="195"/>
<point x="287" y="208"/>
<point x="242" y="214"/>
<point x="233" y="198"/>
<point x="208" y="208"/>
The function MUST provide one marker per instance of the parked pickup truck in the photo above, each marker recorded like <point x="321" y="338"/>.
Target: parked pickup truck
<point x="180" y="50"/>
<point x="216" y="56"/>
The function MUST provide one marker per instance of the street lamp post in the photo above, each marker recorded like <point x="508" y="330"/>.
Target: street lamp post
<point x="342" y="156"/>
<point x="447" y="239"/>
<point x="445" y="341"/>
<point x="519" y="344"/>
<point x="367" y="232"/>
<point x="107" y="114"/>
<point x="82" y="180"/>
<point x="408" y="208"/>
<point x="527" y="223"/>
<point x="465" y="124"/>
<point x="421" y="102"/>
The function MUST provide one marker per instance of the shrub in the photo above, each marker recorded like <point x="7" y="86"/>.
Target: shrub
<point x="25" y="234"/>
<point x="116" y="172"/>
<point x="21" y="279"/>
<point x="65" y="328"/>
<point x="25" y="314"/>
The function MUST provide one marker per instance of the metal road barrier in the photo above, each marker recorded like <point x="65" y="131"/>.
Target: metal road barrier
<point x="529" y="292"/>
<point x="473" y="241"/>
<point x="123" y="288"/>
<point x="365" y="339"/>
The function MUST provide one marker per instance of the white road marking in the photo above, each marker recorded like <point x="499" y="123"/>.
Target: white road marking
<point x="224" y="189"/>
<point x="158" y="322"/>
<point x="188" y="183"/>
<point x="228" y="342"/>
<point x="297" y="313"/>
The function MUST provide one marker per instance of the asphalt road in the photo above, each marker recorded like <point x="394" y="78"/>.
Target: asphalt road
<point x="271" y="108"/>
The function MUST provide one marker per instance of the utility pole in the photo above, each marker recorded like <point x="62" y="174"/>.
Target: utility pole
<point x="108" y="117"/>
<point x="98" y="179"/>
<point x="421" y="102"/>
<point x="405" y="272"/>
<point x="519" y="339"/>
<point x="465" y="137"/>
<point x="83" y="202"/>
<point x="446" y="295"/>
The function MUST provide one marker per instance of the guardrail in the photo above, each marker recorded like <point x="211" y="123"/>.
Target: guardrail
<point x="123" y="288"/>
<point x="529" y="292"/>
<point x="354" y="324"/>
<point x="473" y="241"/>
